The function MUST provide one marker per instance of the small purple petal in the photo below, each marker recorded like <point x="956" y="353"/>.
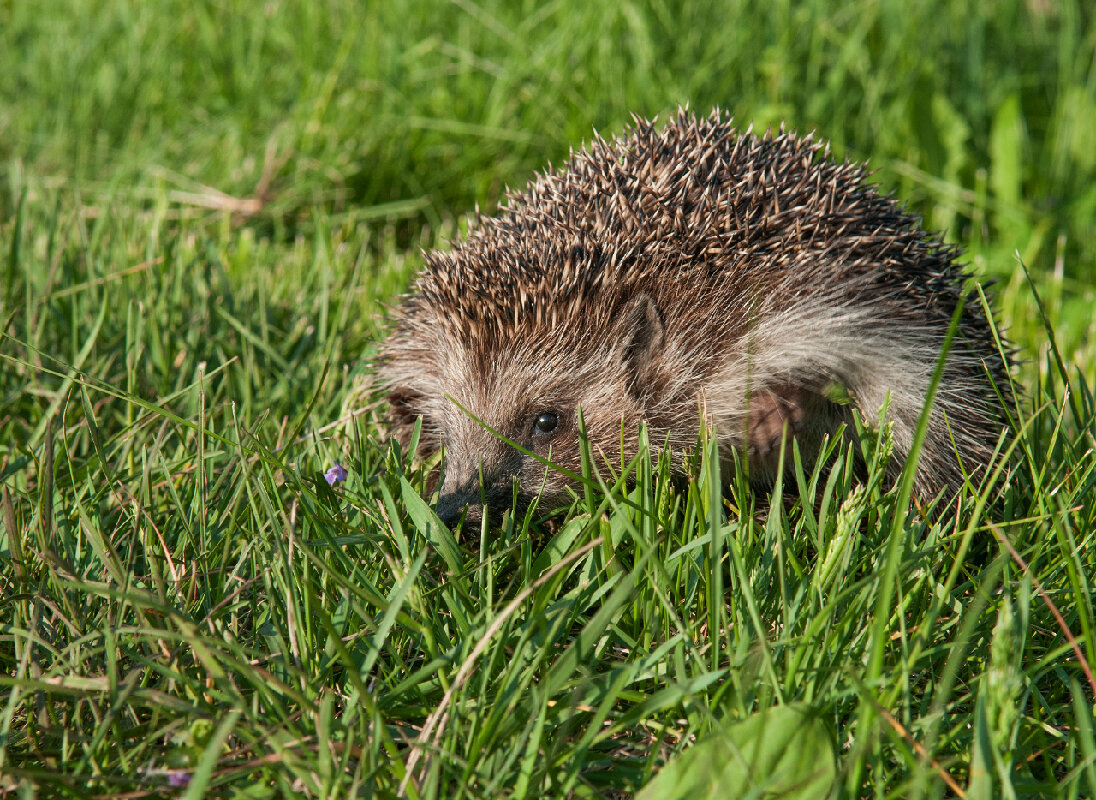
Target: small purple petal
<point x="335" y="474"/>
<point x="178" y="778"/>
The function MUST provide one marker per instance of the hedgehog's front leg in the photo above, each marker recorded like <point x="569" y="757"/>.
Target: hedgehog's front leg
<point x="778" y="414"/>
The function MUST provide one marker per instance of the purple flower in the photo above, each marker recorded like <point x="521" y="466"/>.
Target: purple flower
<point x="335" y="474"/>
<point x="178" y="778"/>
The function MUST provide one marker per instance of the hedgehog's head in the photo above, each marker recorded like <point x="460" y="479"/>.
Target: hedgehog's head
<point x="476" y="385"/>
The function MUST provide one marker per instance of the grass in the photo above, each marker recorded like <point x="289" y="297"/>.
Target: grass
<point x="204" y="210"/>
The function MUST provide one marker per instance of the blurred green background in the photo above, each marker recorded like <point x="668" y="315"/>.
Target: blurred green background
<point x="980" y="115"/>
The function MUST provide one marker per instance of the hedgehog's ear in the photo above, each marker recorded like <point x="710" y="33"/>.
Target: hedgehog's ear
<point x="640" y="331"/>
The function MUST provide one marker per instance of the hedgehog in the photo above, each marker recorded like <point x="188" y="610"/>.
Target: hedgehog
<point x="679" y="276"/>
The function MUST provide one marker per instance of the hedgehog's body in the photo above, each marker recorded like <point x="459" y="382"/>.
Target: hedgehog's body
<point x="675" y="275"/>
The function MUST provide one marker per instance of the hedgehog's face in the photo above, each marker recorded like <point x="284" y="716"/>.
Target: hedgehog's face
<point x="484" y="471"/>
<point x="529" y="391"/>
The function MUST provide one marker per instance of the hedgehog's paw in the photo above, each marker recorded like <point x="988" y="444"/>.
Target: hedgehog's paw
<point x="774" y="414"/>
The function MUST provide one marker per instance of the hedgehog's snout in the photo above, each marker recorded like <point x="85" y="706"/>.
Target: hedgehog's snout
<point x="469" y="503"/>
<point x="467" y="491"/>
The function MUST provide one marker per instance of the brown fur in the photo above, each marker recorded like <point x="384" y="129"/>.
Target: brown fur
<point x="675" y="270"/>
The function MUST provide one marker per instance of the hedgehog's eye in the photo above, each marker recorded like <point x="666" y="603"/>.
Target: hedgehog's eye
<point x="545" y="422"/>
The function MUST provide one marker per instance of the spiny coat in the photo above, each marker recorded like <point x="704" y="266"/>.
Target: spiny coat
<point x="678" y="274"/>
